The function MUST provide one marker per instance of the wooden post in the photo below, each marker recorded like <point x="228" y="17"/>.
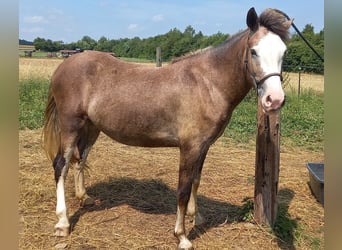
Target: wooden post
<point x="158" y="57"/>
<point x="299" y="73"/>
<point x="267" y="167"/>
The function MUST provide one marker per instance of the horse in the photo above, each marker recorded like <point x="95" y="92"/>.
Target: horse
<point x="186" y="104"/>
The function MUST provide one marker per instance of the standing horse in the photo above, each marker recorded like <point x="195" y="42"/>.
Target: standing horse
<point x="186" y="104"/>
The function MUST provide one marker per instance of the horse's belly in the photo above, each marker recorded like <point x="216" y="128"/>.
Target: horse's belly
<point x="151" y="133"/>
<point x="132" y="138"/>
<point x="134" y="121"/>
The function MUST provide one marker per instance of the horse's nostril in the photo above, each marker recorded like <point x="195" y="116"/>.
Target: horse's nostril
<point x="269" y="100"/>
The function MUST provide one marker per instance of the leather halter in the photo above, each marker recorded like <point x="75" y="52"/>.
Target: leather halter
<point x="258" y="83"/>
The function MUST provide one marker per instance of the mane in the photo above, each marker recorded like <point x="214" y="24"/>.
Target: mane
<point x="190" y="54"/>
<point x="227" y="42"/>
<point x="276" y="22"/>
<point x="271" y="19"/>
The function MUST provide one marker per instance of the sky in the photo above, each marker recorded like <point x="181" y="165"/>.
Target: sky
<point x="69" y="21"/>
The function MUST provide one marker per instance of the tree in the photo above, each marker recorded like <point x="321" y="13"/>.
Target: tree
<point x="300" y="56"/>
<point x="39" y="43"/>
<point x="176" y="43"/>
<point x="103" y="44"/>
<point x="86" y="43"/>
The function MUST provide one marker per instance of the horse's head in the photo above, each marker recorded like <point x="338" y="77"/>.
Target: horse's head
<point x="264" y="55"/>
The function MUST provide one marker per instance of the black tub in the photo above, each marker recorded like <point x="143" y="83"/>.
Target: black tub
<point x="316" y="172"/>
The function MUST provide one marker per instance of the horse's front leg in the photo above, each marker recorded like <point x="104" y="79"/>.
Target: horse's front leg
<point x="183" y="195"/>
<point x="191" y="161"/>
<point x="192" y="208"/>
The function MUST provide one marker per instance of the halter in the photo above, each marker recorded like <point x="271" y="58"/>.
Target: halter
<point x="258" y="83"/>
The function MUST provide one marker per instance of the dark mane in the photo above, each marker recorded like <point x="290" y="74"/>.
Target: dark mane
<point x="275" y="22"/>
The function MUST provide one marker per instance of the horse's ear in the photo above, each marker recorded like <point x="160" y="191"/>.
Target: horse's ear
<point x="252" y="19"/>
<point x="288" y="23"/>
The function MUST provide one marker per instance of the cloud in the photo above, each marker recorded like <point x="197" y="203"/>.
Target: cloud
<point x="157" y="18"/>
<point x="35" y="19"/>
<point x="133" y="26"/>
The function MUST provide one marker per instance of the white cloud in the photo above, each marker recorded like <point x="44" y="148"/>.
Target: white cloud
<point x="133" y="26"/>
<point x="157" y="18"/>
<point x="35" y="19"/>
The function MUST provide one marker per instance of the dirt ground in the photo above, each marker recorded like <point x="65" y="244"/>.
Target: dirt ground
<point x="134" y="190"/>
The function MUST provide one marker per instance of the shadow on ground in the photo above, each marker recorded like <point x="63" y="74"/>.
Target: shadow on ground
<point x="155" y="197"/>
<point x="285" y="227"/>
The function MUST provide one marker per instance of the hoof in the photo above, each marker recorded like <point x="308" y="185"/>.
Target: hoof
<point x="61" y="232"/>
<point x="185" y="244"/>
<point x="87" y="201"/>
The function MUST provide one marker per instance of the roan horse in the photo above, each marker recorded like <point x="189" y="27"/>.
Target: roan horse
<point x="186" y="104"/>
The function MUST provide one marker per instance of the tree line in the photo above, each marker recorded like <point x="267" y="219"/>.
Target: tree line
<point x="176" y="43"/>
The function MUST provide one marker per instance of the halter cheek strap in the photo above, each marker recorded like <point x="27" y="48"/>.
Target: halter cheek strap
<point x="258" y="83"/>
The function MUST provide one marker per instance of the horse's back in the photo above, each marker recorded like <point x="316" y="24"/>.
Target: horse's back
<point x="82" y="66"/>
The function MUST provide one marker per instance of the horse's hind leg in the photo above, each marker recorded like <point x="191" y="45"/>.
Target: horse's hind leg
<point x="86" y="140"/>
<point x="61" y="167"/>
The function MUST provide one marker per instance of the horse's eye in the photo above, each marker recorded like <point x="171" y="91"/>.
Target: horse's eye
<point x="253" y="52"/>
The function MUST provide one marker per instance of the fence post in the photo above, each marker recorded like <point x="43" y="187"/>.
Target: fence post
<point x="299" y="76"/>
<point x="267" y="167"/>
<point x="158" y="57"/>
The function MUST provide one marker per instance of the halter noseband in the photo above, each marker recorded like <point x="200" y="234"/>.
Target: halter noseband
<point x="258" y="83"/>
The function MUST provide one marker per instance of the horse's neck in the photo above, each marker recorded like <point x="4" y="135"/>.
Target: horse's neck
<point x="234" y="82"/>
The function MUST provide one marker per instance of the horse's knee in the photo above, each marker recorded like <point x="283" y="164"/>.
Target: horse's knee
<point x="183" y="195"/>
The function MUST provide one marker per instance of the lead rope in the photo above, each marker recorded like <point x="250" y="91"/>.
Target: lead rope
<point x="301" y="35"/>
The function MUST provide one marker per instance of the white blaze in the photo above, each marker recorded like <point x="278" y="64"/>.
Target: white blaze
<point x="270" y="51"/>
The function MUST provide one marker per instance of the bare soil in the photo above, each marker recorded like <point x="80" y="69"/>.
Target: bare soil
<point x="135" y="195"/>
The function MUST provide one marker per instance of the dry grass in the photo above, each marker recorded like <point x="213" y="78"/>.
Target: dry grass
<point x="307" y="81"/>
<point x="135" y="208"/>
<point x="37" y="68"/>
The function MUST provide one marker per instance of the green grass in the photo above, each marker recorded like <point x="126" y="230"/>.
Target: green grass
<point x="36" y="54"/>
<point x="136" y="60"/>
<point x="242" y="125"/>
<point x="32" y="101"/>
<point x="302" y="118"/>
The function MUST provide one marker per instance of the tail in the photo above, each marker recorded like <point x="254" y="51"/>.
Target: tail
<point x="51" y="131"/>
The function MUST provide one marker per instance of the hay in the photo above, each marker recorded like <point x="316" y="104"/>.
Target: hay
<point x="134" y="190"/>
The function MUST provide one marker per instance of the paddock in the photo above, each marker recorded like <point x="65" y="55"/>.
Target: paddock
<point x="134" y="189"/>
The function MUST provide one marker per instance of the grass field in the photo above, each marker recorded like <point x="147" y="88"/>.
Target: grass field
<point x="134" y="188"/>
